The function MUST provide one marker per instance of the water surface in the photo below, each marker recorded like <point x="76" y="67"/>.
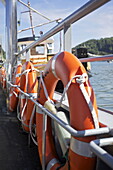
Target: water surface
<point x="102" y="82"/>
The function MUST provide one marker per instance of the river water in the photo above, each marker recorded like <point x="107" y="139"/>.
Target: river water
<point x="102" y="83"/>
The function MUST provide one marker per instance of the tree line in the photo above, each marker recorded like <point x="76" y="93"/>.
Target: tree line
<point x="2" y="52"/>
<point x="102" y="46"/>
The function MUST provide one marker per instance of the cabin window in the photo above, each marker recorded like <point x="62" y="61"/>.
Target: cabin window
<point x="23" y="46"/>
<point x="50" y="44"/>
<point x="49" y="51"/>
<point x="38" y="50"/>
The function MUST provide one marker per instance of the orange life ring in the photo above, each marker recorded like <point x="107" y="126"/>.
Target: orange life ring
<point x="29" y="84"/>
<point x="64" y="66"/>
<point x="14" y="92"/>
<point x="3" y="77"/>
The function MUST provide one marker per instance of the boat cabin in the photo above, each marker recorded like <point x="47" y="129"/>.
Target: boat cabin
<point x="82" y="53"/>
<point x="39" y="54"/>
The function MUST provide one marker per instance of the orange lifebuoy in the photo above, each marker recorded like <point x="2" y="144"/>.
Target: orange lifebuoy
<point x="3" y="77"/>
<point x="29" y="84"/>
<point x="65" y="66"/>
<point x="14" y="92"/>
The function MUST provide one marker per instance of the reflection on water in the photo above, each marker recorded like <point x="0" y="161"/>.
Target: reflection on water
<point x="102" y="82"/>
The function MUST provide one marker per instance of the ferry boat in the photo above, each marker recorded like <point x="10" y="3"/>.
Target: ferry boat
<point x="68" y="128"/>
<point x="40" y="54"/>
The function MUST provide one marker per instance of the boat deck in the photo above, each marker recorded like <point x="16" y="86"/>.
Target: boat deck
<point x="14" y="150"/>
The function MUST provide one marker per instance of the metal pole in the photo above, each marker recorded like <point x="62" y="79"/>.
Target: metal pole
<point x="28" y="55"/>
<point x="25" y="29"/>
<point x="34" y="10"/>
<point x="97" y="58"/>
<point x="11" y="34"/>
<point x="101" y="153"/>
<point x="44" y="141"/>
<point x="67" y="38"/>
<point x="30" y="14"/>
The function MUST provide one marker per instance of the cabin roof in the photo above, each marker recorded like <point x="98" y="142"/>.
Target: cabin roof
<point x="26" y="40"/>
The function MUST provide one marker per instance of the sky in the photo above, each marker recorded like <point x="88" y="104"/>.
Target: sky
<point x="96" y="25"/>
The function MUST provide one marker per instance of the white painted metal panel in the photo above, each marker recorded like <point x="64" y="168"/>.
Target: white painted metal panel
<point x="105" y="117"/>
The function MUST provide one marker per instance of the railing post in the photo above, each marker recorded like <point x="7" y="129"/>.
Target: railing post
<point x="44" y="141"/>
<point x="67" y="38"/>
<point x="28" y="55"/>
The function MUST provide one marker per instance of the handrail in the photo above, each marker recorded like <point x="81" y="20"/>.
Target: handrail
<point x="97" y="58"/>
<point x="25" y="29"/>
<point x="72" y="131"/>
<point x="100" y="152"/>
<point x="75" y="16"/>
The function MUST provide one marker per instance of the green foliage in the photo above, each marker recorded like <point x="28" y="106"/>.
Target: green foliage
<point x="4" y="54"/>
<point x="99" y="47"/>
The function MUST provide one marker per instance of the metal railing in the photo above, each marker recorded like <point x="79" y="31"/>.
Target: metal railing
<point x="72" y="131"/>
<point x="97" y="58"/>
<point x="101" y="153"/>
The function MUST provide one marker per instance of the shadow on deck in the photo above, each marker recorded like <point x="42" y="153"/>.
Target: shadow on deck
<point x="15" y="154"/>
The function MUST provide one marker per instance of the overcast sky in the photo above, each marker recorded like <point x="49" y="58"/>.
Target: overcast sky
<point x="99" y="24"/>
